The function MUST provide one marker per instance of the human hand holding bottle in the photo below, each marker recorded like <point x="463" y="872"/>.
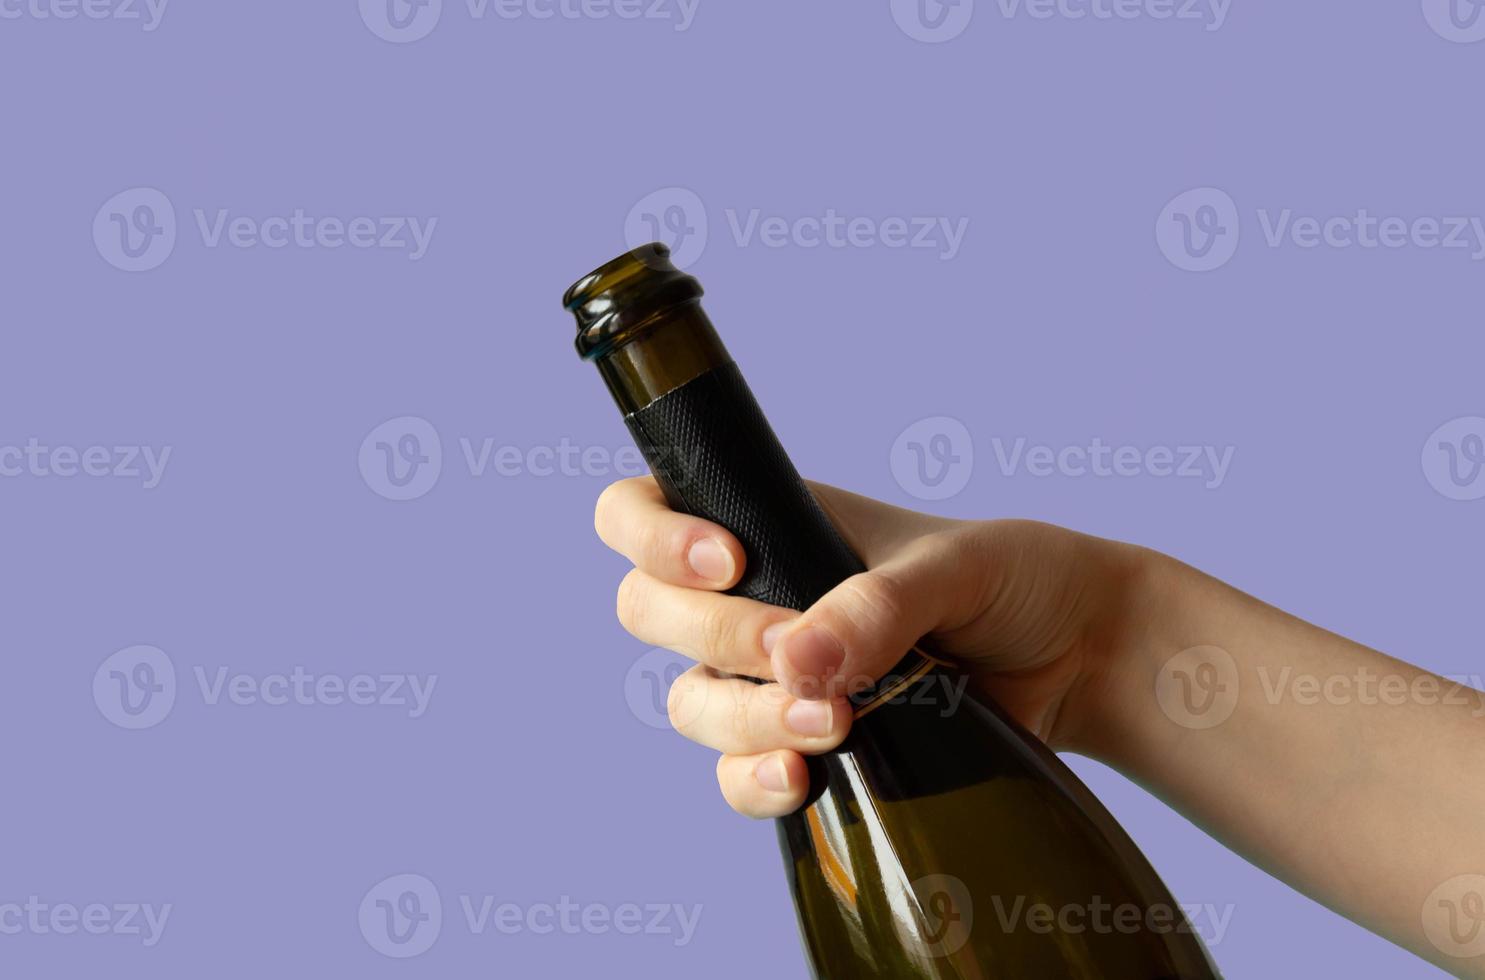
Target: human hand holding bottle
<point x="1371" y="806"/>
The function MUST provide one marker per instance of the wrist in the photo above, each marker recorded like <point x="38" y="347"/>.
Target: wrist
<point x="1147" y="618"/>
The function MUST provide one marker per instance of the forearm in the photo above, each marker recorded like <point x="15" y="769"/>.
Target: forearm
<point x="1355" y="777"/>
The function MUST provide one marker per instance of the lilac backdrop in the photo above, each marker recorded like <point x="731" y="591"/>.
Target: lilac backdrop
<point x="267" y="540"/>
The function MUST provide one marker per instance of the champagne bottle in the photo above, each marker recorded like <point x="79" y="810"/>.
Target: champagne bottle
<point x="941" y="839"/>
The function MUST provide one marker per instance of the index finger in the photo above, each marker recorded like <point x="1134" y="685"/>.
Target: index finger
<point x="633" y="518"/>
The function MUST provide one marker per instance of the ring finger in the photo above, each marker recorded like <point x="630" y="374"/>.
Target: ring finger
<point x="738" y="717"/>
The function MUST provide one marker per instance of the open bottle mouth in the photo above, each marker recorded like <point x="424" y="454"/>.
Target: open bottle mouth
<point x="620" y="299"/>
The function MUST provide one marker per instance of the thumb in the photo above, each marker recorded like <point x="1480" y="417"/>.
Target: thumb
<point x="861" y="628"/>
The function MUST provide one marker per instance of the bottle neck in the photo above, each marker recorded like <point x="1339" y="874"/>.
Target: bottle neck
<point x="679" y="346"/>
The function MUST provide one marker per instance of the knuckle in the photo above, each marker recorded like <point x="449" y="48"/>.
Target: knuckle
<point x="878" y="596"/>
<point x="743" y="726"/>
<point x="651" y="544"/>
<point x="969" y="548"/>
<point x="715" y="629"/>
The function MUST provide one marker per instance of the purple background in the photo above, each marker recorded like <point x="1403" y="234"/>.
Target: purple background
<point x="529" y="777"/>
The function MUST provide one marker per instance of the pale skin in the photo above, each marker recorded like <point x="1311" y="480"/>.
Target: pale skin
<point x="1354" y="777"/>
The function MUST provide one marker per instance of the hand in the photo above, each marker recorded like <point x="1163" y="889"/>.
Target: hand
<point x="1370" y="805"/>
<point x="1036" y="615"/>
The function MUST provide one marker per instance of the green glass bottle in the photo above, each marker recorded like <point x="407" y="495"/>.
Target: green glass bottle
<point x="941" y="839"/>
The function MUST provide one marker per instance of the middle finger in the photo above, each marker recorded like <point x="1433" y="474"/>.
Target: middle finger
<point x="727" y="632"/>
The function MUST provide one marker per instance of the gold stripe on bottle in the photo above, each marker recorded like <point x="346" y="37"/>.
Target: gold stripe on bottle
<point x="901" y="682"/>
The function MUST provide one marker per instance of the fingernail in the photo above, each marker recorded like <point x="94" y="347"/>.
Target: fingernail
<point x="771" y="636"/>
<point x="710" y="560"/>
<point x="772" y="775"/>
<point x="812" y="719"/>
<point x="814" y="653"/>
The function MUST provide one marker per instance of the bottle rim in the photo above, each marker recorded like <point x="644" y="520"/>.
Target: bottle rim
<point x="623" y="297"/>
